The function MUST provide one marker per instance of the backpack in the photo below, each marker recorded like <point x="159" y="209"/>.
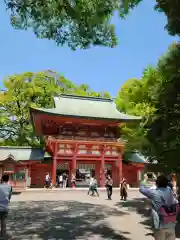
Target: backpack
<point x="168" y="213"/>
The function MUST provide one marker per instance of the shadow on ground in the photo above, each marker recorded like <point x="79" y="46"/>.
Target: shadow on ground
<point x="16" y="193"/>
<point x="63" y="220"/>
<point x="178" y="227"/>
<point x="138" y="205"/>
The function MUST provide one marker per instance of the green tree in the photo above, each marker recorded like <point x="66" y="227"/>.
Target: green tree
<point x="170" y="8"/>
<point x="155" y="97"/>
<point x="23" y="91"/>
<point x="82" y="23"/>
<point x="136" y="98"/>
<point x="31" y="90"/>
<point x="78" y="24"/>
<point x="164" y="129"/>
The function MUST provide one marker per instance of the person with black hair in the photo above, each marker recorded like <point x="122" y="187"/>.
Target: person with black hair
<point x="5" y="196"/>
<point x="123" y="189"/>
<point x="94" y="187"/>
<point x="109" y="187"/>
<point x="164" y="208"/>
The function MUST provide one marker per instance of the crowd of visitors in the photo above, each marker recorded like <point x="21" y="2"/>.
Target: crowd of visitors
<point x="6" y="192"/>
<point x="93" y="187"/>
<point x="61" y="181"/>
<point x="162" y="197"/>
<point x="162" y="200"/>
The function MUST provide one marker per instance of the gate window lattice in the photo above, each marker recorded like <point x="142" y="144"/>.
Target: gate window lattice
<point x="85" y="166"/>
<point x="62" y="166"/>
<point x="82" y="166"/>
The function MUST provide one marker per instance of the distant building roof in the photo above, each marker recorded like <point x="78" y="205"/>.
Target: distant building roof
<point x="86" y="107"/>
<point x="21" y="153"/>
<point x="135" y="157"/>
<point x="138" y="158"/>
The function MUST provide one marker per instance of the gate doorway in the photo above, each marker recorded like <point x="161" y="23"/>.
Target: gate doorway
<point x="60" y="172"/>
<point x="62" y="168"/>
<point x="83" y="173"/>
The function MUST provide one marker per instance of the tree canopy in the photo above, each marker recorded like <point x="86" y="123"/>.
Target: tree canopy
<point x="156" y="97"/>
<point x="32" y="90"/>
<point x="171" y="9"/>
<point x="82" y="23"/>
<point x="135" y="98"/>
<point x="78" y="24"/>
<point x="164" y="130"/>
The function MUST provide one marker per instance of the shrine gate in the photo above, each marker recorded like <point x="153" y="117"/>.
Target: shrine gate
<point x="82" y="130"/>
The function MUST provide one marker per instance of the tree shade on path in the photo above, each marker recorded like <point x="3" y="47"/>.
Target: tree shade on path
<point x="57" y="216"/>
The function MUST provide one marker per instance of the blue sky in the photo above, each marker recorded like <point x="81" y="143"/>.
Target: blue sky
<point x="142" y="39"/>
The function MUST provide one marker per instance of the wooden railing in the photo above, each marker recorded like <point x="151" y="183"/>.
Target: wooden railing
<point x="87" y="138"/>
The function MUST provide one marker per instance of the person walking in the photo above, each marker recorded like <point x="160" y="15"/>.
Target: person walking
<point x="61" y="181"/>
<point x="73" y="181"/>
<point x="47" y="181"/>
<point x="109" y="185"/>
<point x="90" y="185"/>
<point x="64" y="180"/>
<point x="50" y="182"/>
<point x="5" y="197"/>
<point x="123" y="189"/>
<point x="164" y="208"/>
<point x="93" y="187"/>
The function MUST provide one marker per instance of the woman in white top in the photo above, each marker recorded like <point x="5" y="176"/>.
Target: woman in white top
<point x="90" y="184"/>
<point x="60" y="181"/>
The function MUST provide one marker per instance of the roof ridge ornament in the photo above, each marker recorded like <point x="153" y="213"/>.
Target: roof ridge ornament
<point x="11" y="156"/>
<point x="63" y="95"/>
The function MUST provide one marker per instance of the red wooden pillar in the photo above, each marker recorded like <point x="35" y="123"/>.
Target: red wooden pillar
<point x="54" y="165"/>
<point x="102" y="180"/>
<point x="73" y="164"/>
<point x="115" y="176"/>
<point x="29" y="170"/>
<point x="120" y="166"/>
<point x="29" y="176"/>
<point x="15" y="171"/>
<point x="97" y="172"/>
<point x="69" y="174"/>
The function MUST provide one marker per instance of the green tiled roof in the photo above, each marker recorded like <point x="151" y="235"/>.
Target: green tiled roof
<point x="21" y="153"/>
<point x="135" y="157"/>
<point x="47" y="155"/>
<point x="86" y="107"/>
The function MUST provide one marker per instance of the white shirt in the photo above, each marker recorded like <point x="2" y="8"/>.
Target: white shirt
<point x="91" y="181"/>
<point x="153" y="187"/>
<point x="60" y="178"/>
